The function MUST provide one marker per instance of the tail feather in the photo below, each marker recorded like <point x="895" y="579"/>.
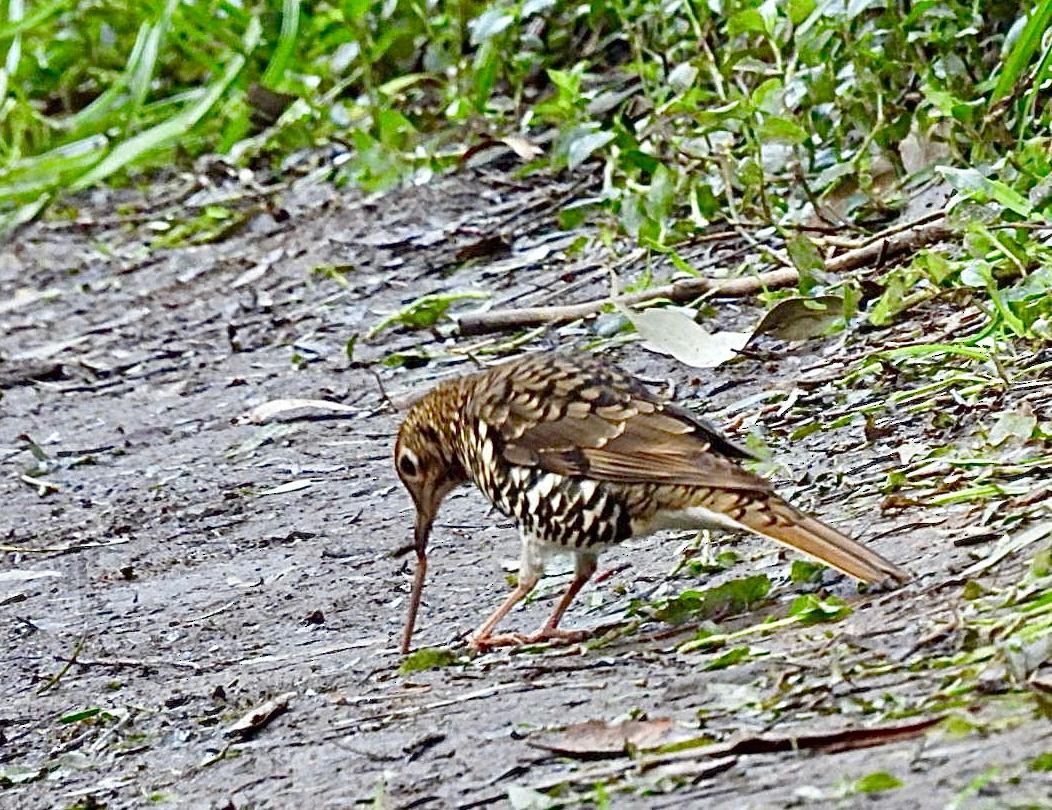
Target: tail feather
<point x="776" y="519"/>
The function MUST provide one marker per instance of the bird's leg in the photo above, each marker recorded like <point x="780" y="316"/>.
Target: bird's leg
<point x="531" y="566"/>
<point x="584" y="567"/>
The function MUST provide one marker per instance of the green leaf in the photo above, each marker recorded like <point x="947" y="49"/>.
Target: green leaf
<point x="782" y="130"/>
<point x="406" y="360"/>
<point x="730" y="598"/>
<point x="974" y="184"/>
<point x="1042" y="762"/>
<point x="748" y="21"/>
<point x="427" y="658"/>
<point x="162" y="134"/>
<point x="808" y="261"/>
<point x="286" y="47"/>
<point x="803" y="571"/>
<point x="728" y="659"/>
<point x="39" y="15"/>
<point x="877" y="782"/>
<point x="489" y="23"/>
<point x="809" y="609"/>
<point x="355" y="10"/>
<point x="800" y="10"/>
<point x="582" y="147"/>
<point x="76" y="717"/>
<point x="424" y="311"/>
<point x="661" y="195"/>
<point x="1018" y="58"/>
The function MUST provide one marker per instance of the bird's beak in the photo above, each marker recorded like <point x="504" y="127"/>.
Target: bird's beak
<point x="423" y="531"/>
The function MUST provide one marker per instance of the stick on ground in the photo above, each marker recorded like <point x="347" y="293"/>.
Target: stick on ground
<point x="876" y="252"/>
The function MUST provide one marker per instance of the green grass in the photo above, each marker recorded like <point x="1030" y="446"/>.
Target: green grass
<point x="751" y="114"/>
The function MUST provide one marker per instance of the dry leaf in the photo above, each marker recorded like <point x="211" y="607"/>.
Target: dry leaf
<point x="597" y="738"/>
<point x="268" y="410"/>
<point x="800" y="318"/>
<point x="260" y="716"/>
<point x="669" y="331"/>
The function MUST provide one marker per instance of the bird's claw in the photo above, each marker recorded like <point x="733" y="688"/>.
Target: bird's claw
<point x="545" y="634"/>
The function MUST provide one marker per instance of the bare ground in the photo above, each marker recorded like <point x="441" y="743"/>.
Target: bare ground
<point x="192" y="567"/>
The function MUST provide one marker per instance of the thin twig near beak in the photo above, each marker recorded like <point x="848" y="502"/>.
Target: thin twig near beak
<point x="422" y="532"/>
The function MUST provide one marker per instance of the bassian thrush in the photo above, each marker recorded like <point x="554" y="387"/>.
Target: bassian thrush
<point x="583" y="456"/>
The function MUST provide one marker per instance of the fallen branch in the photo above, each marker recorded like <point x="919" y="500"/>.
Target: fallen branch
<point x="876" y="253"/>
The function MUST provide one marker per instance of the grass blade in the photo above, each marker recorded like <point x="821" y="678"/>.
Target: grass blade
<point x="1015" y="63"/>
<point x="279" y="60"/>
<point x="162" y="134"/>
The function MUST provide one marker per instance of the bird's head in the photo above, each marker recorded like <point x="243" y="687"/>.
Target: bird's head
<point x="425" y="457"/>
<point x="427" y="462"/>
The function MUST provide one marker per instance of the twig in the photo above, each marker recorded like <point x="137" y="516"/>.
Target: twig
<point x="259" y="717"/>
<point x="51" y="684"/>
<point x="410" y="711"/>
<point x="477" y="323"/>
<point x="138" y="662"/>
<point x="60" y="549"/>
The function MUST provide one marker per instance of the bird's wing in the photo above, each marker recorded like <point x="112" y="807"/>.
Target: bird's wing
<point x="578" y="416"/>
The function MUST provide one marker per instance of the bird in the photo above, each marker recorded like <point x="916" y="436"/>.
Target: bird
<point x="584" y="456"/>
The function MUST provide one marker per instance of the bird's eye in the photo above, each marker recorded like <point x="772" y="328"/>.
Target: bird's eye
<point x="407" y="466"/>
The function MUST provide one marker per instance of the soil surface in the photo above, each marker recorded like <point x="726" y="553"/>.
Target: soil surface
<point x="170" y="561"/>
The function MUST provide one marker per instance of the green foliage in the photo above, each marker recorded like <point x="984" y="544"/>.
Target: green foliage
<point x="425" y="311"/>
<point x="809" y="609"/>
<point x="701" y="111"/>
<point x="733" y="656"/>
<point x="427" y="658"/>
<point x="876" y="782"/>
<point x="805" y="571"/>
<point x="731" y="597"/>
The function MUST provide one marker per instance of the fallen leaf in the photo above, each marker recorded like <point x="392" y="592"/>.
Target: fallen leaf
<point x="291" y="486"/>
<point x="597" y="738"/>
<point x="1018" y="424"/>
<point x="427" y="658"/>
<point x="24" y="575"/>
<point x="800" y="318"/>
<point x="523" y="147"/>
<point x="526" y="798"/>
<point x="910" y="450"/>
<point x="669" y="331"/>
<point x="496" y="244"/>
<point x="268" y="410"/>
<point x="260" y="716"/>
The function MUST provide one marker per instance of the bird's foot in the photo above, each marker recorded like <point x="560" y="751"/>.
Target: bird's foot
<point x="487" y="643"/>
<point x="545" y="634"/>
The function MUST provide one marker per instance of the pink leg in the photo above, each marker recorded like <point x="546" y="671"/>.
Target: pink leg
<point x="483" y="638"/>
<point x="585" y="565"/>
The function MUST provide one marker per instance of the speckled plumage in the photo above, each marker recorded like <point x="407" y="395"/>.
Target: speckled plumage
<point x="584" y="456"/>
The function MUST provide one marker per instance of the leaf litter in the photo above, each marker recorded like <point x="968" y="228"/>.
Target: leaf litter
<point x="786" y="660"/>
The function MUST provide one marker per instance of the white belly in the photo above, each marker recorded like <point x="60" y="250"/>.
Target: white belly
<point x="693" y="517"/>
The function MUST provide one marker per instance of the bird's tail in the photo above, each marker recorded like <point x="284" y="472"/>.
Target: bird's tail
<point x="772" y="517"/>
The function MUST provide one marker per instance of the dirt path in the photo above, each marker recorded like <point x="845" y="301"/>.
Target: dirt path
<point x="194" y="567"/>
